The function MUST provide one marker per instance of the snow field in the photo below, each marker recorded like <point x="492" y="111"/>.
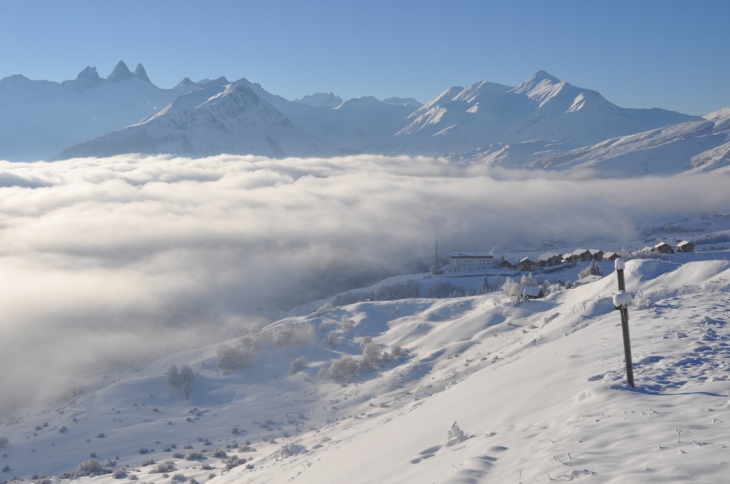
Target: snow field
<point x="538" y="389"/>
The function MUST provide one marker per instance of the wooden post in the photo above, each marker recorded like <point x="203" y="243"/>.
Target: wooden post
<point x="621" y="303"/>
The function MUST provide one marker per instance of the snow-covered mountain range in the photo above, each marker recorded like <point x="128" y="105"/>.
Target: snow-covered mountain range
<point x="542" y="123"/>
<point x="38" y="119"/>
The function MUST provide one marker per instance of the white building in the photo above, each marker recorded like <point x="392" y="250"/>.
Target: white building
<point x="472" y="261"/>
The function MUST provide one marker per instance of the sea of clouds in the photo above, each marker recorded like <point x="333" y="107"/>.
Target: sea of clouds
<point x="106" y="261"/>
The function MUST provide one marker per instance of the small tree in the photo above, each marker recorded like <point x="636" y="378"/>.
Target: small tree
<point x="172" y="377"/>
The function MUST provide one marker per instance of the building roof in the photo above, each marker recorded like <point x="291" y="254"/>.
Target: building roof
<point x="684" y="242"/>
<point x="548" y="256"/>
<point x="471" y="254"/>
<point x="579" y="251"/>
<point x="526" y="259"/>
<point x="609" y="254"/>
<point x="595" y="251"/>
<point x="661" y="244"/>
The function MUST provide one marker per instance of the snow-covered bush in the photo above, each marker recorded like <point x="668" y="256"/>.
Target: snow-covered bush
<point x="4" y="442"/>
<point x="327" y="307"/>
<point x="346" y="323"/>
<point x="297" y="365"/>
<point x="119" y="473"/>
<point x="396" y="351"/>
<point x="176" y="378"/>
<point x="89" y="467"/>
<point x="528" y="281"/>
<point x="392" y="292"/>
<point x="642" y="301"/>
<point x="346" y="367"/>
<point x="291" y="334"/>
<point x="179" y="478"/>
<point x="594" y="269"/>
<point x="233" y="357"/>
<point x="441" y="290"/>
<point x="510" y="287"/>
<point x="455" y="435"/>
<point x="373" y="355"/>
<point x="291" y="449"/>
<point x="323" y="373"/>
<point x="332" y="338"/>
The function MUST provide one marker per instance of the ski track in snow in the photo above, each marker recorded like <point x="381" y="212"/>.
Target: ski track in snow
<point x="538" y="390"/>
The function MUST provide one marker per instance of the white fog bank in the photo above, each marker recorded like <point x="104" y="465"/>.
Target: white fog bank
<point x="109" y="260"/>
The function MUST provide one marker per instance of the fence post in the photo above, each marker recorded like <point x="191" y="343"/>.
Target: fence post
<point x="621" y="302"/>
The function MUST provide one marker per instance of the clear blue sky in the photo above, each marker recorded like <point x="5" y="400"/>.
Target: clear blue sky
<point x="668" y="54"/>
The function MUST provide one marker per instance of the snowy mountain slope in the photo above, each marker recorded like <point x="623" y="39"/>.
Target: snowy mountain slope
<point x="537" y="389"/>
<point x="40" y="118"/>
<point x="693" y="147"/>
<point x="212" y="120"/>
<point x="403" y="101"/>
<point x="543" y="108"/>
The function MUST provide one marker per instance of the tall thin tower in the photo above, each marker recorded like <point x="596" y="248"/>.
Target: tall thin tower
<point x="436" y="265"/>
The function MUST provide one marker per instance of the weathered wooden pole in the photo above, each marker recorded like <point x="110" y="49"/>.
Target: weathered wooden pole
<point x="621" y="302"/>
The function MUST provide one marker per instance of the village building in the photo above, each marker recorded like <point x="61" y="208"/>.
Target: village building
<point x="532" y="292"/>
<point x="471" y="261"/>
<point x="685" y="246"/>
<point x="610" y="256"/>
<point x="527" y="265"/>
<point x="579" y="255"/>
<point x="596" y="254"/>
<point x="509" y="264"/>
<point x="663" y="248"/>
<point x="549" y="259"/>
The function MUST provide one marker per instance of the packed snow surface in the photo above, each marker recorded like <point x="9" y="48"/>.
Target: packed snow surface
<point x="483" y="390"/>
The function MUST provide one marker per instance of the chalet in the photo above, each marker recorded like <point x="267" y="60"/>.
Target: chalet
<point x="596" y="254"/>
<point x="527" y="265"/>
<point x="532" y="292"/>
<point x="508" y="264"/>
<point x="685" y="246"/>
<point x="471" y="261"/>
<point x="609" y="256"/>
<point x="549" y="259"/>
<point x="579" y="255"/>
<point x="662" y="248"/>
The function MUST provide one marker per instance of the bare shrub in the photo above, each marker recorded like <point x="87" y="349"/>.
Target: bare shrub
<point x="163" y="467"/>
<point x="290" y="449"/>
<point x="191" y="455"/>
<point x="89" y="467"/>
<point x="396" y="351"/>
<point x="298" y="365"/>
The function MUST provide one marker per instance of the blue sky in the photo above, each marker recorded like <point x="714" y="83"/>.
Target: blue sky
<point x="667" y="54"/>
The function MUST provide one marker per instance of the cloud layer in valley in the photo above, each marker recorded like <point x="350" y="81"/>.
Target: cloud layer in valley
<point x="109" y="260"/>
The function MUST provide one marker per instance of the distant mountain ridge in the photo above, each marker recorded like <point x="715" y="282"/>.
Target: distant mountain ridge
<point x="40" y="118"/>
<point x="541" y="123"/>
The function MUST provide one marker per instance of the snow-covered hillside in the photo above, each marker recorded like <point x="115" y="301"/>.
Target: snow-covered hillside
<point x="541" y="108"/>
<point x="692" y="147"/>
<point x="40" y="118"/>
<point x="216" y="119"/>
<point x="537" y="391"/>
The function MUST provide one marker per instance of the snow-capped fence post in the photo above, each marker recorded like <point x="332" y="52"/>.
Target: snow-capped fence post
<point x="621" y="302"/>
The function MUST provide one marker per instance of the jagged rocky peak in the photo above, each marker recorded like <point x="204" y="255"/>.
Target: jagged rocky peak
<point x="141" y="73"/>
<point x="89" y="73"/>
<point x="321" y="100"/>
<point x="120" y="72"/>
